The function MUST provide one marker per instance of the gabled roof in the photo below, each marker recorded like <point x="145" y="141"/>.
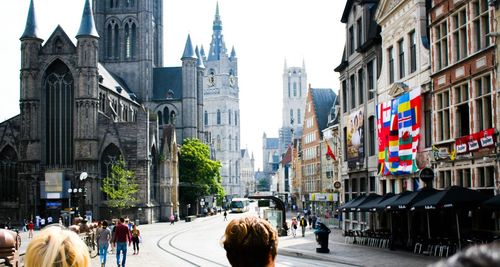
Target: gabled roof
<point x="165" y="80"/>
<point x="113" y="82"/>
<point x="323" y="99"/>
<point x="287" y="158"/>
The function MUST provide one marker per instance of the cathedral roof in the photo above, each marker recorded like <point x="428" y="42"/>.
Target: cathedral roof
<point x="87" y="26"/>
<point x="167" y="81"/>
<point x="323" y="99"/>
<point x="115" y="84"/>
<point x="31" y="29"/>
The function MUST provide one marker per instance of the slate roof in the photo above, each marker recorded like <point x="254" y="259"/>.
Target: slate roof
<point x="323" y="99"/>
<point x="31" y="30"/>
<point x="272" y="143"/>
<point x="87" y="25"/>
<point x="243" y="152"/>
<point x="113" y="82"/>
<point x="165" y="79"/>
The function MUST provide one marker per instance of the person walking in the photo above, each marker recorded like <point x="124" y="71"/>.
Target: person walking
<point x="120" y="239"/>
<point x="103" y="238"/>
<point x="225" y="215"/>
<point x="172" y="219"/>
<point x="25" y="225"/>
<point x="294" y="226"/>
<point x="31" y="227"/>
<point x="303" y="225"/>
<point x="136" y="235"/>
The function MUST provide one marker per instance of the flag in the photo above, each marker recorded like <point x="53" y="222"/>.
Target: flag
<point x="329" y="152"/>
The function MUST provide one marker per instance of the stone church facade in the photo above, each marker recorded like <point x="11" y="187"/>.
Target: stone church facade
<point x="83" y="106"/>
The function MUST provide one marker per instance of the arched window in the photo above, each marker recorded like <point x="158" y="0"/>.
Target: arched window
<point x="109" y="42"/>
<point x="294" y="89"/>
<point x="59" y="87"/>
<point x="229" y="142"/>
<point x="229" y="116"/>
<point x="8" y="175"/>
<point x="173" y="117"/>
<point x="160" y="118"/>
<point x="166" y="115"/>
<point x="134" y="41"/>
<point x="206" y="118"/>
<point x="109" y="157"/>
<point x="116" y="41"/>
<point x="235" y="117"/>
<point x="218" y="117"/>
<point x="218" y="143"/>
<point x="291" y="117"/>
<point x="128" y="41"/>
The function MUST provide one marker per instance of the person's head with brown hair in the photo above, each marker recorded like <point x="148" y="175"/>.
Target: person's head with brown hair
<point x="486" y="255"/>
<point x="57" y="247"/>
<point x="250" y="241"/>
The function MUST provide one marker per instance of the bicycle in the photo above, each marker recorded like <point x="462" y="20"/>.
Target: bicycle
<point x="91" y="243"/>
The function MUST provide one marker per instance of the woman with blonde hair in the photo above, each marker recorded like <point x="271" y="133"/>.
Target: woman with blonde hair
<point x="250" y="241"/>
<point x="57" y="247"/>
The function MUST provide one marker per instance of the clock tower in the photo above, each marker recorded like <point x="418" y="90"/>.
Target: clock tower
<point x="221" y="113"/>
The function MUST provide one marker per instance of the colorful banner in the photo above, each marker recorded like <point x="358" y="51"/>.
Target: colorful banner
<point x="398" y="126"/>
<point x="475" y="141"/>
<point x="355" y="135"/>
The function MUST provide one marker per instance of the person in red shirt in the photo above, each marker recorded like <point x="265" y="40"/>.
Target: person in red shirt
<point x="31" y="227"/>
<point x="120" y="239"/>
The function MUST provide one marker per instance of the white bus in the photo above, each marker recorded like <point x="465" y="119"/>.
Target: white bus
<point x="240" y="205"/>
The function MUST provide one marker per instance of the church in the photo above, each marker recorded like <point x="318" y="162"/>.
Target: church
<point x="85" y="105"/>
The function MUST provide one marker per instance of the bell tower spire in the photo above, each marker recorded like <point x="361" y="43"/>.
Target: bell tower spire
<point x="217" y="46"/>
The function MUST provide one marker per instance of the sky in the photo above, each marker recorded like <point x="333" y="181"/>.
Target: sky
<point x="263" y="32"/>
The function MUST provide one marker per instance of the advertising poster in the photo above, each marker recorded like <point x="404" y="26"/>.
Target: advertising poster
<point x="355" y="135"/>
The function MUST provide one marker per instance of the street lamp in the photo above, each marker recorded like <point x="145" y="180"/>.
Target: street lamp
<point x="202" y="203"/>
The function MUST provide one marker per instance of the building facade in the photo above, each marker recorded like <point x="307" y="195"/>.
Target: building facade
<point x="222" y="108"/>
<point x="247" y="173"/>
<point x="464" y="97"/>
<point x="359" y="70"/>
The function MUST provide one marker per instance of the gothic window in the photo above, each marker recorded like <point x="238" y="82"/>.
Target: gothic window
<point x="59" y="87"/>
<point x="165" y="115"/>
<point x="235" y="117"/>
<point x="8" y="174"/>
<point x="218" y="145"/>
<point x="155" y="183"/>
<point x="299" y="118"/>
<point x="218" y="117"/>
<point x="229" y="116"/>
<point x="289" y="91"/>
<point x="129" y="3"/>
<point x="206" y="118"/>
<point x="109" y="157"/>
<point x="130" y="40"/>
<point x="109" y="42"/>
<point x="300" y="86"/>
<point x="173" y="117"/>
<point x="160" y="119"/>
<point x="229" y="143"/>
<point x="116" y="42"/>
<point x="294" y="89"/>
<point x="291" y="116"/>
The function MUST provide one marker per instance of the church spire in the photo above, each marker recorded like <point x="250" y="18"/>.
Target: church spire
<point x="188" y="49"/>
<point x="199" y="62"/>
<point x="233" y="53"/>
<point x="217" y="46"/>
<point x="31" y="29"/>
<point x="87" y="26"/>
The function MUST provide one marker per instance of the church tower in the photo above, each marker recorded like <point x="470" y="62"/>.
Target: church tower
<point x="294" y="100"/>
<point x="131" y="40"/>
<point x="222" y="107"/>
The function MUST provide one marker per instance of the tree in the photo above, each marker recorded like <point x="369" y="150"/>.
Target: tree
<point x="263" y="184"/>
<point x="198" y="174"/>
<point x="120" y="187"/>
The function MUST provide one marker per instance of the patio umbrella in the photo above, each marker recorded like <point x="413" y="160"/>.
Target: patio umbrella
<point x="382" y="205"/>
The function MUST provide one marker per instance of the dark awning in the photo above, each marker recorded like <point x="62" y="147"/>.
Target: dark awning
<point x="406" y="201"/>
<point x="369" y="198"/>
<point x="453" y="196"/>
<point x="383" y="204"/>
<point x="370" y="205"/>
<point x="349" y="203"/>
<point x="353" y="205"/>
<point x="493" y="202"/>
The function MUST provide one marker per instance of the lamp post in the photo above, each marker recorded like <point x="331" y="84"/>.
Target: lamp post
<point x="202" y="203"/>
<point x="82" y="190"/>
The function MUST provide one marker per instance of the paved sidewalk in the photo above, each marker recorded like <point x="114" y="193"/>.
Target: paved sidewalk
<point x="350" y="254"/>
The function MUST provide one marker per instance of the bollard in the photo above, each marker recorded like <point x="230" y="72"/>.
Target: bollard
<point x="9" y="247"/>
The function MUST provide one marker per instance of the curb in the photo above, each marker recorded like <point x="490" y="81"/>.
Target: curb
<point x="309" y="255"/>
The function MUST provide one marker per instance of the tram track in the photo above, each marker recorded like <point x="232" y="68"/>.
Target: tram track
<point x="181" y="253"/>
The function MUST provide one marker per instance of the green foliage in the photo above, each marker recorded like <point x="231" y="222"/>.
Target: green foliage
<point x="263" y="185"/>
<point x="198" y="175"/>
<point x="120" y="187"/>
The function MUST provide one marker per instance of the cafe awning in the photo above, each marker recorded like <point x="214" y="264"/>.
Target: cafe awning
<point x="453" y="196"/>
<point x="371" y="204"/>
<point x="406" y="201"/>
<point x="353" y="205"/>
<point x="383" y="204"/>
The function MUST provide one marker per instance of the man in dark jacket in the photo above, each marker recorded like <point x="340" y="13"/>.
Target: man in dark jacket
<point x="303" y="225"/>
<point x="120" y="239"/>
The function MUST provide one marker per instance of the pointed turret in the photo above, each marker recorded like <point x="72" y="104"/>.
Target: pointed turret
<point x="188" y="49"/>
<point x="202" y="52"/>
<point x="199" y="62"/>
<point x="217" y="46"/>
<point x="87" y="26"/>
<point x="233" y="53"/>
<point x="31" y="29"/>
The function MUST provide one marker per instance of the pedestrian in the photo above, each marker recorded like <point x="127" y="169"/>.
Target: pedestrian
<point x="225" y="215"/>
<point x="294" y="226"/>
<point x="120" y="239"/>
<point x="42" y="222"/>
<point x="309" y="220"/>
<point x="103" y="238"/>
<point x="31" y="227"/>
<point x="49" y="220"/>
<point x="113" y="231"/>
<point x="250" y="241"/>
<point x="136" y="236"/>
<point x="25" y="225"/>
<point x="54" y="246"/>
<point x="172" y="219"/>
<point x="60" y="221"/>
<point x="313" y="221"/>
<point x="303" y="225"/>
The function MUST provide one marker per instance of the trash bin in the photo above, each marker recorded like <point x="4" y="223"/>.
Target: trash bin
<point x="322" y="232"/>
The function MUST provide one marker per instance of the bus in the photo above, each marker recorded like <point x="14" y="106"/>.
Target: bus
<point x="240" y="205"/>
